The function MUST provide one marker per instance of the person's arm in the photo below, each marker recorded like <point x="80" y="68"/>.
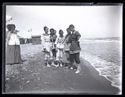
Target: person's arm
<point x="65" y="39"/>
<point x="69" y="39"/>
<point x="42" y="40"/>
<point x="78" y="35"/>
<point x="57" y="40"/>
<point x="8" y="37"/>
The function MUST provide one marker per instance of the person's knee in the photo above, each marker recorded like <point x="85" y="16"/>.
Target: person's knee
<point x="78" y="61"/>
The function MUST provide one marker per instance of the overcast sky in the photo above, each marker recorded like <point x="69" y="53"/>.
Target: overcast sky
<point x="90" y="21"/>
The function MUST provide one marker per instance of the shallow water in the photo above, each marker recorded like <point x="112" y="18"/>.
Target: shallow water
<point x="105" y="57"/>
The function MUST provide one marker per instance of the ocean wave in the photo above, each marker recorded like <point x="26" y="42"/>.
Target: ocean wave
<point x="109" y="70"/>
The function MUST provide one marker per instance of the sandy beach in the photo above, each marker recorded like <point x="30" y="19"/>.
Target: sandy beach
<point x="34" y="77"/>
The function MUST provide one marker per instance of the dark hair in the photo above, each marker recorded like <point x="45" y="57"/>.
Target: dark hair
<point x="60" y="31"/>
<point x="67" y="29"/>
<point x="55" y="31"/>
<point x="11" y="26"/>
<point x="51" y="30"/>
<point x="45" y="27"/>
<point x="71" y="25"/>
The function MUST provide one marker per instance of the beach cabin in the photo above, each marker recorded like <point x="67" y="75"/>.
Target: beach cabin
<point x="36" y="39"/>
<point x="25" y="40"/>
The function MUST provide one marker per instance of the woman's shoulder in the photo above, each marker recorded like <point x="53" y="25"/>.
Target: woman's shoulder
<point x="77" y="33"/>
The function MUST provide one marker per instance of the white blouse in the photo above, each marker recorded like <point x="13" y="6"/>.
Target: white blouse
<point x="14" y="39"/>
<point x="60" y="42"/>
<point x="45" y="38"/>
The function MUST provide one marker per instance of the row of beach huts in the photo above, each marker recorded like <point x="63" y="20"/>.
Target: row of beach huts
<point x="34" y="40"/>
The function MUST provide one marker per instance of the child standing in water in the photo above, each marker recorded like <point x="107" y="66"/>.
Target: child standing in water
<point x="60" y="46"/>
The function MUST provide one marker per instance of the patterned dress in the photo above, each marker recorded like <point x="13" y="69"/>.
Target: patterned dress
<point x="60" y="47"/>
<point x="74" y="40"/>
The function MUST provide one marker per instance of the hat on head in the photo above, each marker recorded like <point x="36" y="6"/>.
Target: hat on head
<point x="11" y="26"/>
<point x="71" y="25"/>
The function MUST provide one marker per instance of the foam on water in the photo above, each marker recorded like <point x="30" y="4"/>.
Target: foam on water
<point x="109" y="70"/>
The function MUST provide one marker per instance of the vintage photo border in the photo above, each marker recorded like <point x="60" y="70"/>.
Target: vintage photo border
<point x="42" y="4"/>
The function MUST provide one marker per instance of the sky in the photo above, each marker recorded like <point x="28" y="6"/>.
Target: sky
<point x="90" y="21"/>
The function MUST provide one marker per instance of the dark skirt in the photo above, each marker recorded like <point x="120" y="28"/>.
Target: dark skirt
<point x="13" y="55"/>
<point x="65" y="58"/>
<point x="75" y="46"/>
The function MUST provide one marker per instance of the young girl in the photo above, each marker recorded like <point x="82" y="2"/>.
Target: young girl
<point x="46" y="45"/>
<point x="60" y="46"/>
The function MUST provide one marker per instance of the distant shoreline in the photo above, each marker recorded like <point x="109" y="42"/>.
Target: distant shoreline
<point x="105" y="38"/>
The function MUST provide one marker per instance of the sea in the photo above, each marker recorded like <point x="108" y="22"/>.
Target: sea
<point x="105" y="55"/>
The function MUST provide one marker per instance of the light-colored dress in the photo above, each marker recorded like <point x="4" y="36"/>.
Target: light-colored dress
<point x="13" y="52"/>
<point x="60" y="47"/>
<point x="46" y="42"/>
<point x="60" y="42"/>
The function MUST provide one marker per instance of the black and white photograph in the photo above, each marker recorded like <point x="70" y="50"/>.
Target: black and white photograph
<point x="63" y="49"/>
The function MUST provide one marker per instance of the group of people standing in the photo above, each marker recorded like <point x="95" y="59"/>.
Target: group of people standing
<point x="58" y="51"/>
<point x="62" y="50"/>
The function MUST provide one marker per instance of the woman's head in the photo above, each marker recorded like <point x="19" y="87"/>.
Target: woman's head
<point x="68" y="31"/>
<point x="71" y="27"/>
<point x="52" y="31"/>
<point x="61" y="32"/>
<point x="11" y="27"/>
<point x="45" y="29"/>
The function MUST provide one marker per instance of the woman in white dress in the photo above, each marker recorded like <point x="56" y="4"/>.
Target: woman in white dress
<point x="13" y="53"/>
